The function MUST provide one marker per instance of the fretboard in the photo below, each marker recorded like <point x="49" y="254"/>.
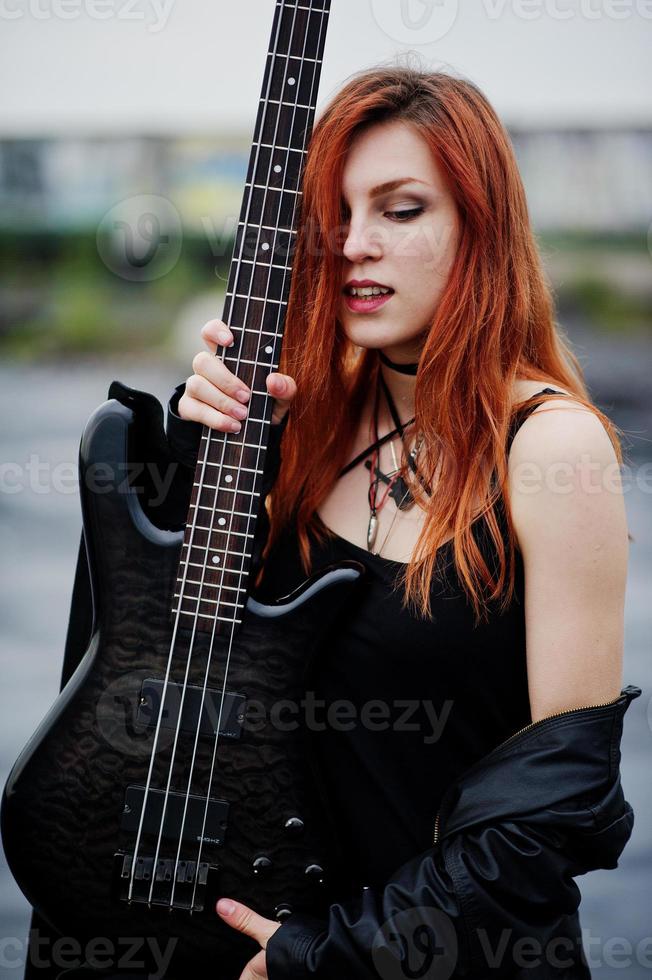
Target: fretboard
<point x="213" y="575"/>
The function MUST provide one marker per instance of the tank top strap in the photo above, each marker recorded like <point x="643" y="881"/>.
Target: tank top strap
<point x="525" y="412"/>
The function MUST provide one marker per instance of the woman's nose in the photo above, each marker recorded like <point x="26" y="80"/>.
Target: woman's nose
<point x="362" y="241"/>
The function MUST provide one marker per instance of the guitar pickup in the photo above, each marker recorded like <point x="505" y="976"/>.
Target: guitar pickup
<point x="205" y="820"/>
<point x="151" y="696"/>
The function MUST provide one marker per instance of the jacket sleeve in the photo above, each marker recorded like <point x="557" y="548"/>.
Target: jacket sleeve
<point x="495" y="899"/>
<point x="183" y="439"/>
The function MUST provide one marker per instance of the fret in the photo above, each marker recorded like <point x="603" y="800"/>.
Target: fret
<point x="295" y="105"/>
<point x="227" y="466"/>
<point x="213" y="568"/>
<point x="220" y="510"/>
<point x="190" y="612"/>
<point x="278" y="54"/>
<point x="210" y="602"/>
<point x="248" y="493"/>
<point x="265" y="187"/>
<point x="250" y="224"/>
<point x="313" y="10"/>
<point x="215" y="531"/>
<point x="216" y="602"/>
<point x="244" y="360"/>
<point x="285" y="149"/>
<point x="278" y="302"/>
<point x="230" y="588"/>
<point x="215" y="585"/>
<point x="266" y="265"/>
<point x="220" y="551"/>
<point x="241" y="445"/>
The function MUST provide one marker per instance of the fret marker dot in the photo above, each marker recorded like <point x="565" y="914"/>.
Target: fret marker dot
<point x="269" y="350"/>
<point x="265" y="246"/>
<point x="278" y="168"/>
<point x="222" y="520"/>
<point x="291" y="81"/>
<point x="215" y="559"/>
<point x="228" y="478"/>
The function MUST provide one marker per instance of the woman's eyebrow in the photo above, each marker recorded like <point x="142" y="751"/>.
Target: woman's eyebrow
<point x="392" y="185"/>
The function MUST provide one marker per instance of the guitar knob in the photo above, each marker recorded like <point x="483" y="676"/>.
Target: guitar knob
<point x="315" y="872"/>
<point x="294" y="825"/>
<point x="261" y="864"/>
<point x="281" y="912"/>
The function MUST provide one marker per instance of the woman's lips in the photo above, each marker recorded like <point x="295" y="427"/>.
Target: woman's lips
<point x="357" y="304"/>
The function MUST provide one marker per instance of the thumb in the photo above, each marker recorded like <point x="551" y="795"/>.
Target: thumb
<point x="282" y="388"/>
<point x="245" y="920"/>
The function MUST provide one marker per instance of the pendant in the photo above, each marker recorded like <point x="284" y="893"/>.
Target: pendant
<point x="372" y="531"/>
<point x="401" y="494"/>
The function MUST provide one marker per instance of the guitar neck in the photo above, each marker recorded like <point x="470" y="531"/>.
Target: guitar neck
<point x="212" y="580"/>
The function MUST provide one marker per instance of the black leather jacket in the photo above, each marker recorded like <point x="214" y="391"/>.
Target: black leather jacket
<point x="494" y="895"/>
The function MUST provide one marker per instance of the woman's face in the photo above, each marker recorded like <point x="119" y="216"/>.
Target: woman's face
<point x="403" y="238"/>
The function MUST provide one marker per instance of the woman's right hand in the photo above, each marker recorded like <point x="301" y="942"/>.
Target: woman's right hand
<point x="215" y="397"/>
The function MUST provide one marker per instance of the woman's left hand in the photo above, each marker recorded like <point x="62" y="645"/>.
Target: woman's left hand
<point x="246" y="920"/>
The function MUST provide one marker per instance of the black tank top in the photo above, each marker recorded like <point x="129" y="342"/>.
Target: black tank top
<point x="408" y="703"/>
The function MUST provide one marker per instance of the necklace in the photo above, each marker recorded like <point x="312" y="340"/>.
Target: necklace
<point x="396" y="484"/>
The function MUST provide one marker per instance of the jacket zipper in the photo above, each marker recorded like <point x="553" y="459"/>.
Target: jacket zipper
<point x="532" y="724"/>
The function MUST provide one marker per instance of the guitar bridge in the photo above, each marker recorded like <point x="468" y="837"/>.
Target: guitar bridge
<point x="171" y="884"/>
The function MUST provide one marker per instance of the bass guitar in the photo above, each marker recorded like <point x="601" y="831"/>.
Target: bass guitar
<point x="161" y="778"/>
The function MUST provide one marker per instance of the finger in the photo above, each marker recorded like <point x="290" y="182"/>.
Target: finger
<point x="215" y="370"/>
<point x="246" y="920"/>
<point x="216" y="333"/>
<point x="283" y="388"/>
<point x="201" y="390"/>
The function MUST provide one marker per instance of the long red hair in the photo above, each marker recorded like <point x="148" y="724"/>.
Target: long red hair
<point x="494" y="323"/>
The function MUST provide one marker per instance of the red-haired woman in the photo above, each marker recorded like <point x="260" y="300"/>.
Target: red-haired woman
<point x="420" y="323"/>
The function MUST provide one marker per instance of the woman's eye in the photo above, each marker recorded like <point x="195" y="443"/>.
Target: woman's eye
<point x="404" y="214"/>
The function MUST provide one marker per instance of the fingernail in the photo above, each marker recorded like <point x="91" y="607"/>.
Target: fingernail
<point x="235" y="426"/>
<point x="280" y="384"/>
<point x="240" y="411"/>
<point x="223" y="337"/>
<point x="242" y="395"/>
<point x="225" y="906"/>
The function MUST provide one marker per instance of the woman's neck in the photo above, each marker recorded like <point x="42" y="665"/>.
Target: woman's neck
<point x="400" y="384"/>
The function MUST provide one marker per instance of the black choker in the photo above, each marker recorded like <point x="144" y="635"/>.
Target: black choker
<point x="402" y="368"/>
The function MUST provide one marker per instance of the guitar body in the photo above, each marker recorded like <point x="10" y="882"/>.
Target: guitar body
<point x="239" y="813"/>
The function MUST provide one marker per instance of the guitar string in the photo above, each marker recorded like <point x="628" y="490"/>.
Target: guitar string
<point x="186" y="565"/>
<point x="323" y="11"/>
<point x="223" y="569"/>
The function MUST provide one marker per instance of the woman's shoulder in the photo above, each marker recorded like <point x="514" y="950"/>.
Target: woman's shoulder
<point x="563" y="419"/>
<point x="560" y="457"/>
